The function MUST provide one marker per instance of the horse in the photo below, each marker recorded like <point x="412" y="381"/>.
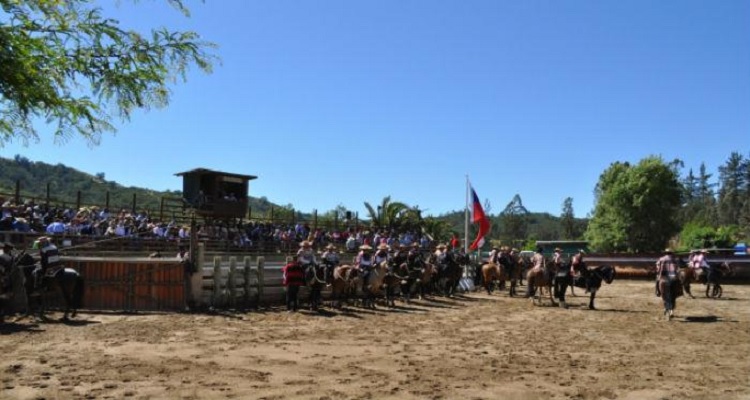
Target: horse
<point x="490" y="273"/>
<point x="67" y="281"/>
<point x="344" y="285"/>
<point x="449" y="273"/>
<point x="372" y="284"/>
<point x="315" y="280"/>
<point x="688" y="275"/>
<point x="713" y="279"/>
<point x="402" y="277"/>
<point x="425" y="278"/>
<point x="539" y="278"/>
<point x="591" y="279"/>
<point x="6" y="288"/>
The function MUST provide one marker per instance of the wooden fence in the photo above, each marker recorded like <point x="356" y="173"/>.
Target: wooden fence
<point x="242" y="282"/>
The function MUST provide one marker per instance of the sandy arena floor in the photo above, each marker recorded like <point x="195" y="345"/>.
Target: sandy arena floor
<point x="471" y="347"/>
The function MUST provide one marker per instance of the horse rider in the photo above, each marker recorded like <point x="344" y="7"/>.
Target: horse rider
<point x="49" y="260"/>
<point x="398" y="259"/>
<point x="6" y="269"/>
<point x="331" y="260"/>
<point x="494" y="254"/>
<point x="699" y="263"/>
<point x="666" y="271"/>
<point x="578" y="267"/>
<point x="364" y="262"/>
<point x="562" y="276"/>
<point x="414" y="260"/>
<point x="537" y="264"/>
<point x="381" y="255"/>
<point x="305" y="255"/>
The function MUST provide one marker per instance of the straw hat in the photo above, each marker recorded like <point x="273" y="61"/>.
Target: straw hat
<point x="440" y="246"/>
<point x="330" y="247"/>
<point x="365" y="247"/>
<point x="305" y="243"/>
<point x="558" y="250"/>
<point x="383" y="246"/>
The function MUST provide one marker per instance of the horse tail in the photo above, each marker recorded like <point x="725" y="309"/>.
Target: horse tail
<point x="78" y="290"/>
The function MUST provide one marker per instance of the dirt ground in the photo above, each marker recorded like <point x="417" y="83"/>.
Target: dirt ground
<point x="474" y="346"/>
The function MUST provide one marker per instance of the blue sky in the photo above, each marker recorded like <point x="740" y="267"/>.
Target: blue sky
<point x="341" y="102"/>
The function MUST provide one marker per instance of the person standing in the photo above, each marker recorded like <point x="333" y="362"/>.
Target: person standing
<point x="562" y="276"/>
<point x="668" y="284"/>
<point x="293" y="277"/>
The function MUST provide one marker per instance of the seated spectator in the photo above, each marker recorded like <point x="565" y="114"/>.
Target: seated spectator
<point x="57" y="227"/>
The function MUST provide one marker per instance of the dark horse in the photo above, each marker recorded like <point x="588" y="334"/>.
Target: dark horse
<point x="68" y="282"/>
<point x="315" y="279"/>
<point x="591" y="279"/>
<point x="449" y="272"/>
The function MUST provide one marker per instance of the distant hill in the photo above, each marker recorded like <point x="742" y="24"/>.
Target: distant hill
<point x="65" y="183"/>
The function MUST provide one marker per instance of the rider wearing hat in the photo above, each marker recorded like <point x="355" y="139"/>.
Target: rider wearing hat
<point x="49" y="259"/>
<point x="305" y="255"/>
<point x="364" y="262"/>
<point x="6" y="264"/>
<point x="330" y="260"/>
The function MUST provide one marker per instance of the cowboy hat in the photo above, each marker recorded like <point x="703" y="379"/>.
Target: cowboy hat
<point x="331" y="247"/>
<point x="383" y="246"/>
<point x="440" y="246"/>
<point x="365" y="247"/>
<point x="557" y="249"/>
<point x="668" y="250"/>
<point x="304" y="243"/>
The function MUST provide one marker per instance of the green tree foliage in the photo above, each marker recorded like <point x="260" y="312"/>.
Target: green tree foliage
<point x="636" y="207"/>
<point x="567" y="220"/>
<point x="64" y="62"/>
<point x="514" y="221"/>
<point x="733" y="194"/>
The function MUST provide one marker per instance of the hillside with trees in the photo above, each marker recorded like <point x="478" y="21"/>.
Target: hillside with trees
<point x="65" y="183"/>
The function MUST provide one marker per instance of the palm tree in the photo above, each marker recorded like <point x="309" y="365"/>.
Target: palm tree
<point x="388" y="214"/>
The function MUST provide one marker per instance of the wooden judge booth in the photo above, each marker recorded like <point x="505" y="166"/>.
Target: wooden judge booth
<point x="216" y="194"/>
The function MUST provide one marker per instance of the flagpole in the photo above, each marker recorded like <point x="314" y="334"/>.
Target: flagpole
<point x="466" y="218"/>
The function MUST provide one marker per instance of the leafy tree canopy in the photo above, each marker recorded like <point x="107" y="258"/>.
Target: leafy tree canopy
<point x="64" y="63"/>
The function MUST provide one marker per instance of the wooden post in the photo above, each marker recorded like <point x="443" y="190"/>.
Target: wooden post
<point x="261" y="265"/>
<point x="46" y="202"/>
<point x="315" y="220"/>
<point x="18" y="191"/>
<point x="133" y="203"/>
<point x="106" y="201"/>
<point x="78" y="200"/>
<point x="215" y="295"/>
<point x="197" y="279"/>
<point x="231" y="281"/>
<point x="247" y="271"/>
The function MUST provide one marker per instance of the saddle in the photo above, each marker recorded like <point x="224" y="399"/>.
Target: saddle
<point x="52" y="272"/>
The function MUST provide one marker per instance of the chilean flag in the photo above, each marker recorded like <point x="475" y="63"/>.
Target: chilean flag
<point x="479" y="217"/>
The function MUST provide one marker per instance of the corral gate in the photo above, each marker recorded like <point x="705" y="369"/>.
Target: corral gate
<point x="131" y="284"/>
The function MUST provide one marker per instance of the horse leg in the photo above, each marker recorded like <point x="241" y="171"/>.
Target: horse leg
<point x="591" y="300"/>
<point x="686" y="288"/>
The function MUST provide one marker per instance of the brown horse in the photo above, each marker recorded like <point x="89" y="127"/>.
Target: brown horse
<point x="373" y="284"/>
<point x="492" y="272"/>
<point x="690" y="275"/>
<point x="539" y="278"/>
<point x="425" y="279"/>
<point x="346" y="279"/>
